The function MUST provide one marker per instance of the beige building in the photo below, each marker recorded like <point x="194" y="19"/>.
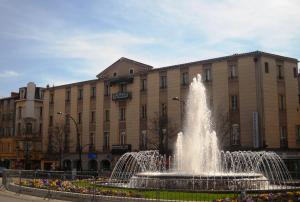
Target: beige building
<point x="133" y="106"/>
<point x="7" y="131"/>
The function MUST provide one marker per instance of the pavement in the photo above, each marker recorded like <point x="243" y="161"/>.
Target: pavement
<point x="7" y="196"/>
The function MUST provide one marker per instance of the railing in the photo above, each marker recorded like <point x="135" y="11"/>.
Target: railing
<point x="95" y="186"/>
<point x="121" y="96"/>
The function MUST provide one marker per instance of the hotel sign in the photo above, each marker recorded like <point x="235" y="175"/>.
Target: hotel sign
<point x="121" y="96"/>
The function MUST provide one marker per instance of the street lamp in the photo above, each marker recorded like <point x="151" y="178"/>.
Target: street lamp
<point x="179" y="100"/>
<point x="182" y="102"/>
<point x="79" y="166"/>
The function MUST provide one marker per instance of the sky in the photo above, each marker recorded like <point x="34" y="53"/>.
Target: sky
<point x="57" y="42"/>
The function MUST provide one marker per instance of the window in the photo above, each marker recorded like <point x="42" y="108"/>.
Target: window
<point x="234" y="102"/>
<point x="266" y="67"/>
<point x="283" y="137"/>
<point x="92" y="141"/>
<point x="143" y="84"/>
<point x="106" y="93"/>
<point x="235" y="134"/>
<point x="295" y="72"/>
<point x="184" y="78"/>
<point x="298" y="134"/>
<point x="93" y="92"/>
<point x="207" y="74"/>
<point x="107" y="115"/>
<point x="51" y="98"/>
<point x="19" y="112"/>
<point x="163" y="110"/>
<point x="131" y="71"/>
<point x="281" y="102"/>
<point x="106" y="141"/>
<point x="28" y="128"/>
<point x="41" y="112"/>
<point x="115" y="74"/>
<point x="232" y="71"/>
<point x="51" y="121"/>
<point x="122" y="114"/>
<point x="123" y="88"/>
<point x="144" y="139"/>
<point x="280" y="72"/>
<point x="41" y="129"/>
<point x="80" y="94"/>
<point x="163" y="82"/>
<point x="144" y="111"/>
<point x="19" y="129"/>
<point x="68" y="95"/>
<point x="93" y="119"/>
<point x="122" y="137"/>
<point x="79" y="118"/>
<point x="21" y="94"/>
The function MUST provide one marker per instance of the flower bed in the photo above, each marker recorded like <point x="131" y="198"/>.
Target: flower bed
<point x="75" y="187"/>
<point x="89" y="187"/>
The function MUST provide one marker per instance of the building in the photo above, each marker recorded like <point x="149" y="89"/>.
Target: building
<point x="7" y="131"/>
<point x="132" y="106"/>
<point x="28" y="126"/>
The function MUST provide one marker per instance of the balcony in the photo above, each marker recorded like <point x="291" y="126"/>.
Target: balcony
<point x="120" y="149"/>
<point x="121" y="96"/>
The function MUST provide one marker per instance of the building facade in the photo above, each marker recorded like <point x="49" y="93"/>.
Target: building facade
<point x="21" y="128"/>
<point x="7" y="131"/>
<point x="132" y="106"/>
<point x="28" y="126"/>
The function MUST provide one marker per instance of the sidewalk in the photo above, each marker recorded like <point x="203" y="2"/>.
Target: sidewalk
<point x="21" y="197"/>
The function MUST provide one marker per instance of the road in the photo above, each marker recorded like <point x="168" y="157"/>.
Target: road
<point x="7" y="196"/>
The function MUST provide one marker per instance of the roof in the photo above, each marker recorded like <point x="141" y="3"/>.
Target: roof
<point x="124" y="59"/>
<point x="14" y="95"/>
<point x="149" y="67"/>
<point x="234" y="56"/>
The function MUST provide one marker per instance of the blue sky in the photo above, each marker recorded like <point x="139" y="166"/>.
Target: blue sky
<point x="61" y="41"/>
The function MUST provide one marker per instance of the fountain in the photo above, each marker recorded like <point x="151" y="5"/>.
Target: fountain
<point x="198" y="163"/>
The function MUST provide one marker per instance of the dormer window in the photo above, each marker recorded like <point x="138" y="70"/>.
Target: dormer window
<point x="131" y="71"/>
<point x="115" y="74"/>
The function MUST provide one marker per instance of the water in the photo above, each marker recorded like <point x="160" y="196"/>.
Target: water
<point x="198" y="163"/>
<point x="200" y="144"/>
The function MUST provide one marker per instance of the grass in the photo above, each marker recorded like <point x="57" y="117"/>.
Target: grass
<point x="157" y="194"/>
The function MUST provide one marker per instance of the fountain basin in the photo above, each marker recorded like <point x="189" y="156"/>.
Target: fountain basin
<point x="198" y="182"/>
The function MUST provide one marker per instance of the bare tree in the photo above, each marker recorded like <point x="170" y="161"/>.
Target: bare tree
<point x="222" y="126"/>
<point x="58" y="142"/>
<point x="161" y="133"/>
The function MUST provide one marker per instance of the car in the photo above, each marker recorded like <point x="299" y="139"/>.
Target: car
<point x="2" y="170"/>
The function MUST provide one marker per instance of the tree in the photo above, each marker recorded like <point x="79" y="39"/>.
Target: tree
<point x="28" y="136"/>
<point x="58" y="141"/>
<point x="161" y="132"/>
<point x="222" y="126"/>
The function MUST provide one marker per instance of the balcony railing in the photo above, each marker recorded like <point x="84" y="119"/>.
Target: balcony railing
<point x="121" y="96"/>
<point x="121" y="149"/>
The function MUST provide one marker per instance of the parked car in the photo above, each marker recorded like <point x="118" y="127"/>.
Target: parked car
<point x="2" y="170"/>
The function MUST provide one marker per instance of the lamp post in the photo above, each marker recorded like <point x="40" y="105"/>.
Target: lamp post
<point x="79" y="166"/>
<point x="181" y="101"/>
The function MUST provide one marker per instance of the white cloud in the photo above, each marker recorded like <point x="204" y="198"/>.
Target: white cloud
<point x="271" y="23"/>
<point x="97" y="50"/>
<point x="8" y="74"/>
